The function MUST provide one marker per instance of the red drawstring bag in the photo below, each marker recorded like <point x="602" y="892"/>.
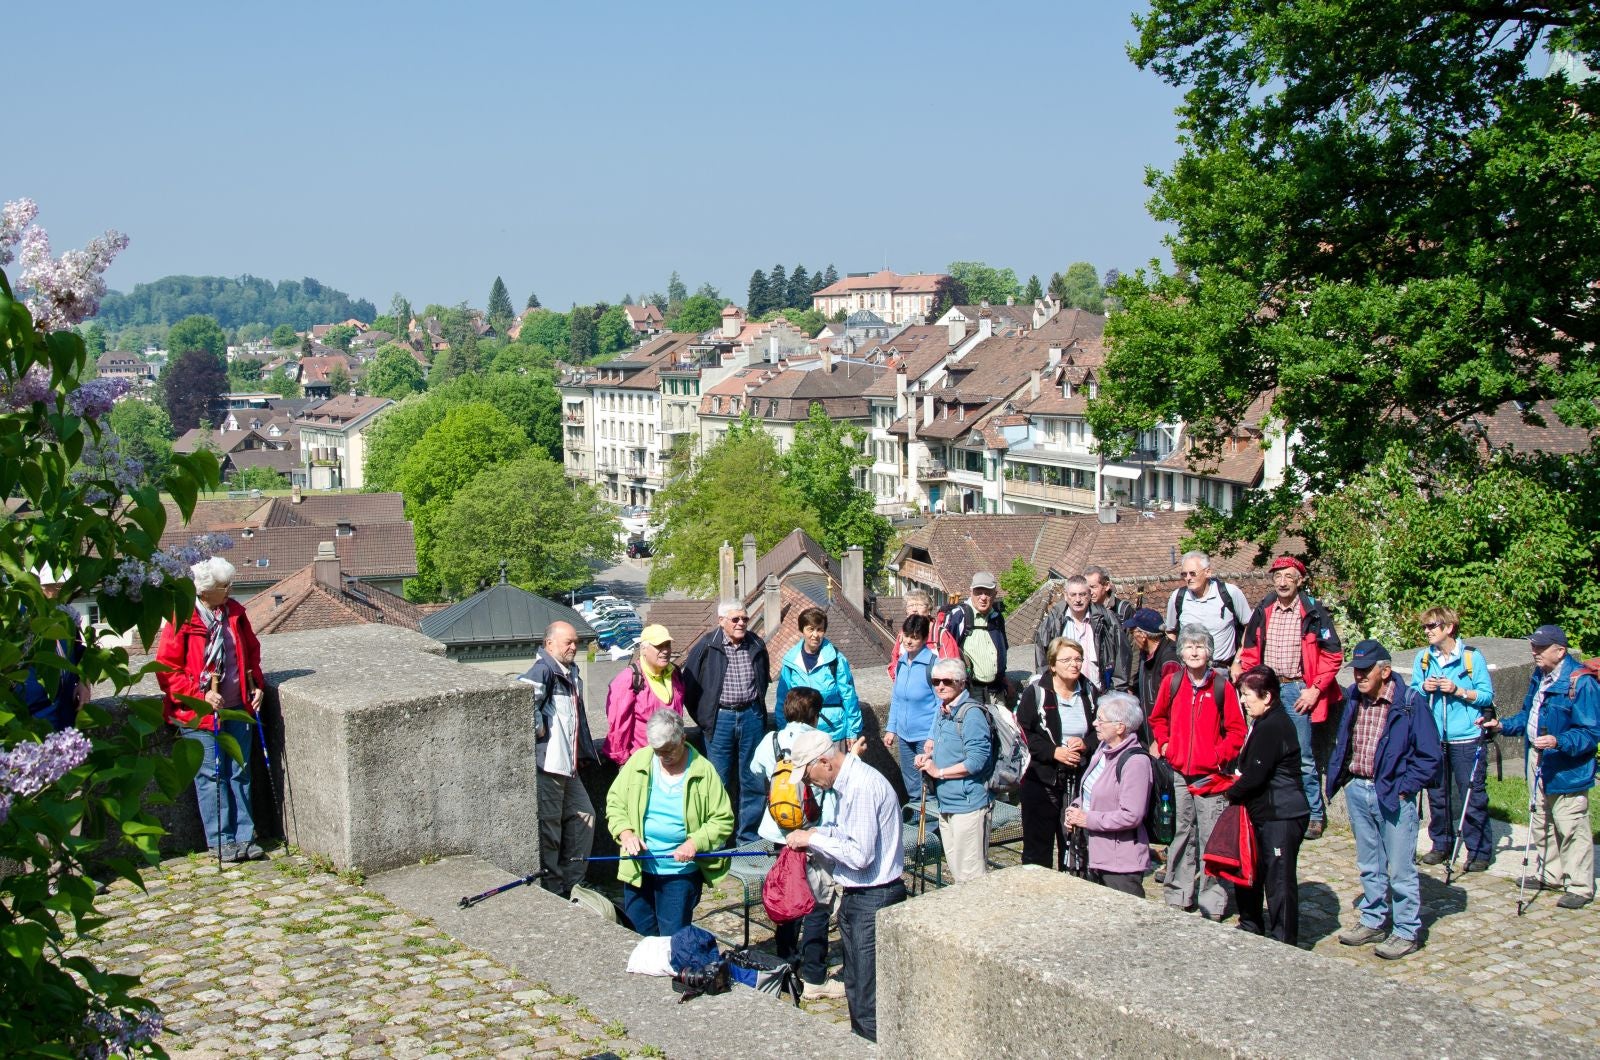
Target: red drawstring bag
<point x="1231" y="853"/>
<point x="785" y="894"/>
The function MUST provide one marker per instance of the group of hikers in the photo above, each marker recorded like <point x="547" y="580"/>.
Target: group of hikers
<point x="1197" y="729"/>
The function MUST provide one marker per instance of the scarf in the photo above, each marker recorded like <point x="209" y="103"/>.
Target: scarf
<point x="211" y="666"/>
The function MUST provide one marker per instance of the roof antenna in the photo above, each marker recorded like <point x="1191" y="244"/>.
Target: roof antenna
<point x="502" y="572"/>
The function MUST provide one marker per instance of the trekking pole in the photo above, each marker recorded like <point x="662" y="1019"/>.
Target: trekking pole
<point x="922" y="838"/>
<point x="471" y="900"/>
<point x="266" y="756"/>
<point x="216" y="773"/>
<point x="668" y="857"/>
<point x="1461" y="825"/>
<point x="1522" y="884"/>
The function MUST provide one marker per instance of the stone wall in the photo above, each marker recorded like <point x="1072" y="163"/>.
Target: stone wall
<point x="1026" y="962"/>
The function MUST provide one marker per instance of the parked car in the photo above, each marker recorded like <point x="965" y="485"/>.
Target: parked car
<point x="639" y="548"/>
<point x="588" y="592"/>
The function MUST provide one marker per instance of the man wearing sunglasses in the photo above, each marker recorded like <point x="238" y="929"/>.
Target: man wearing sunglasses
<point x="725" y="679"/>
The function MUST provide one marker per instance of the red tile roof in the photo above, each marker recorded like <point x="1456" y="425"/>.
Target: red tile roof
<point x="341" y="409"/>
<point x="309" y="604"/>
<point x="916" y="283"/>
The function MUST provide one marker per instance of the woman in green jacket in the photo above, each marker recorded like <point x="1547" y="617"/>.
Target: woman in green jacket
<point x="666" y="806"/>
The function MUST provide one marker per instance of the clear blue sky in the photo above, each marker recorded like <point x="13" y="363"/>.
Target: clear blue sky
<point x="583" y="151"/>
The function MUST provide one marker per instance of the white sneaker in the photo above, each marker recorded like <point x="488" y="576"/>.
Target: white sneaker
<point x="828" y="988"/>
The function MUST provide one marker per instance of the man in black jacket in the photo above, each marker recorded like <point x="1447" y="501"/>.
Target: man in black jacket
<point x="725" y="678"/>
<point x="1107" y="656"/>
<point x="562" y="745"/>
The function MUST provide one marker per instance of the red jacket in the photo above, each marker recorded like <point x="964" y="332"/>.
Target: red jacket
<point x="182" y="649"/>
<point x="1196" y="740"/>
<point x="1320" y="653"/>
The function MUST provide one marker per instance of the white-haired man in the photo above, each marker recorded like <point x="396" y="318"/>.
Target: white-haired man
<point x="863" y="848"/>
<point x="725" y="678"/>
<point x="1210" y="602"/>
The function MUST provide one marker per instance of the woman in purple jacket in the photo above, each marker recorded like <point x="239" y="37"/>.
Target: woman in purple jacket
<point x="1113" y="797"/>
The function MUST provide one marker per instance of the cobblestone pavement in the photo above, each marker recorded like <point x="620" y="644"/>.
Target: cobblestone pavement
<point x="283" y="958"/>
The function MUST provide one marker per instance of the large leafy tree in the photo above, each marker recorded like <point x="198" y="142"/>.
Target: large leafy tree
<point x="144" y="433"/>
<point x="1384" y="219"/>
<point x="1079" y="288"/>
<point x="394" y="373"/>
<point x="612" y="331"/>
<point x="582" y="343"/>
<point x="985" y="283"/>
<point x="192" y="381"/>
<point x="551" y="532"/>
<point x="198" y="333"/>
<point x="698" y="313"/>
<point x="712" y="501"/>
<point x="821" y="466"/>
<point x="467" y="440"/>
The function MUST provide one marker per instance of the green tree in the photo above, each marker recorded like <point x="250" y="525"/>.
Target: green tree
<point x="400" y="309"/>
<point x="448" y="365"/>
<point x="394" y="373"/>
<point x="522" y="357"/>
<point x="192" y="381"/>
<point x="821" y="465"/>
<point x="259" y="478"/>
<point x="799" y="294"/>
<point x="1034" y="290"/>
<point x="548" y="329"/>
<point x="467" y="440"/>
<point x="198" y="333"/>
<point x="582" y="343"/>
<point x="707" y="290"/>
<point x="533" y="301"/>
<point x="696" y="314"/>
<point x="339" y="381"/>
<point x="1079" y="288"/>
<point x="777" y="289"/>
<point x="387" y="323"/>
<point x="94" y="340"/>
<point x="676" y="291"/>
<point x="826" y="278"/>
<point x="280" y="382"/>
<point x="552" y="532"/>
<point x="612" y="330"/>
<point x="340" y="336"/>
<point x="243" y="373"/>
<point x="144" y="433"/>
<point x="756" y="301"/>
<point x="984" y="283"/>
<point x="500" y="312"/>
<point x="284" y="337"/>
<point x="713" y="502"/>
<point x="1020" y="580"/>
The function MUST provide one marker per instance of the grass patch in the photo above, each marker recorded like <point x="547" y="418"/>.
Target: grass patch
<point x="429" y="859"/>
<point x="322" y="864"/>
<point x="1508" y="801"/>
<point x="564" y="999"/>
<point x="371" y="914"/>
<point x="651" y="1050"/>
<point x="293" y="869"/>
<point x="616" y="1029"/>
<point x="432" y="949"/>
<point x="354" y="877"/>
<point x="305" y="927"/>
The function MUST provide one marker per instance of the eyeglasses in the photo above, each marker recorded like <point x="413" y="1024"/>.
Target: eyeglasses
<point x="739" y="621"/>
<point x="1433" y="625"/>
<point x="945" y="681"/>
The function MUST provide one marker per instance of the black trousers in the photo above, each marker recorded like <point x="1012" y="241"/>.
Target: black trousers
<point x="1044" y="840"/>
<point x="858" y="935"/>
<point x="1277" y="880"/>
<point x="1126" y="882"/>
<point x="807" y="938"/>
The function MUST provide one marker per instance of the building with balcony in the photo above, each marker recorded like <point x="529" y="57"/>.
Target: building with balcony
<point x="896" y="298"/>
<point x="333" y="443"/>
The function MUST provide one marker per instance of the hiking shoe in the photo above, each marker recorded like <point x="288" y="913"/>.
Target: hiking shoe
<point x="1315" y="829"/>
<point x="1478" y="865"/>
<point x="229" y="852"/>
<point x="828" y="988"/>
<point x="1396" y="947"/>
<point x="1360" y="935"/>
<point x="1434" y="857"/>
<point x="243" y="852"/>
<point x="1573" y="901"/>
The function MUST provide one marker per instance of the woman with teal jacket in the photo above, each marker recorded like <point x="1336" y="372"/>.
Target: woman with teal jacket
<point x="1458" y="685"/>
<point x="816" y="663"/>
<point x="665" y="807"/>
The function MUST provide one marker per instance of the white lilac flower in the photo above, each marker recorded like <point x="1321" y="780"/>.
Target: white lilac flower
<point x="15" y="217"/>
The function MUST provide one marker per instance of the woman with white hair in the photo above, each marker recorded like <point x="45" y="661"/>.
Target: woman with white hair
<point x="1198" y="726"/>
<point x="1114" y="796"/>
<point x="665" y="807"/>
<point x="213" y="663"/>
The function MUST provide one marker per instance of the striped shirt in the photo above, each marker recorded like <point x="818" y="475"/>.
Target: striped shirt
<point x="865" y="843"/>
<point x="739" y="682"/>
<point x="1282" y="650"/>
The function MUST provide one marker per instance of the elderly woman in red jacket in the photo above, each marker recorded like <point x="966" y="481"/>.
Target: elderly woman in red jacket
<point x="1198" y="726"/>
<point x="213" y="663"/>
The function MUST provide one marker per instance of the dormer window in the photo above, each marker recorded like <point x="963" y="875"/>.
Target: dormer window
<point x="262" y="561"/>
<point x="344" y="530"/>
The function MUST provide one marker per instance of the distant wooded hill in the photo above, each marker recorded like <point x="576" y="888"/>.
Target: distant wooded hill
<point x="232" y="302"/>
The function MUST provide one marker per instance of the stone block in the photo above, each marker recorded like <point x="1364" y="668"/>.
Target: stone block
<point x="1026" y="962"/>
<point x="386" y="752"/>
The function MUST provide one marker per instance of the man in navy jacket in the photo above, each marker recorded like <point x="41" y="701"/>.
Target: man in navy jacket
<point x="1387" y="752"/>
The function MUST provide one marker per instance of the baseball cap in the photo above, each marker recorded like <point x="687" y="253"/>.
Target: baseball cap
<point x="984" y="580"/>
<point x="808" y="747"/>
<point x="1545" y="636"/>
<point x="1368" y="654"/>
<point x="1146" y="620"/>
<point x="655" y="635"/>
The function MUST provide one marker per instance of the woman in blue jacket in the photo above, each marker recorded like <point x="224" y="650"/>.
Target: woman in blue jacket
<point x="816" y="663"/>
<point x="912" y="703"/>
<point x="1455" y="680"/>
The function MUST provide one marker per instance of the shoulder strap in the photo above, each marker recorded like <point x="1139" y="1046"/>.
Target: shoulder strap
<point x="778" y="753"/>
<point x="1218" y="682"/>
<point x="638" y="677"/>
<point x="1129" y="753"/>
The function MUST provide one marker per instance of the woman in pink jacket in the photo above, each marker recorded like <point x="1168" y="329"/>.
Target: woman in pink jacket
<point x="1113" y="797"/>
<point x="648" y="685"/>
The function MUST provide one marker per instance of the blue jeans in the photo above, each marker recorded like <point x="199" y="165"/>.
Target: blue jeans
<point x="731" y="746"/>
<point x="660" y="905"/>
<point x="232" y="795"/>
<point x="1309" y="781"/>
<point x="858" y="937"/>
<point x="1386" y="850"/>
<point x="1468" y="767"/>
<point x="907" y="750"/>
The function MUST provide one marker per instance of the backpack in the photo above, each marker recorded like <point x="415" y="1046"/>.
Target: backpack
<point x="1586" y="668"/>
<point x="764" y="972"/>
<point x="1007" y="746"/>
<point x="789" y="798"/>
<point x="1225" y="594"/>
<point x="1160" y="813"/>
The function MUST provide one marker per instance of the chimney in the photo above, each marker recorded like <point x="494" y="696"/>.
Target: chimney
<point x="985" y="326"/>
<point x="1033" y="384"/>
<point x="1108" y="515"/>
<point x="725" y="586"/>
<point x="749" y="544"/>
<point x="771" y="607"/>
<point x="325" y="568"/>
<point x="958" y="332"/>
<point x="853" y="574"/>
<point x="927" y="409"/>
<point x="1055" y="357"/>
<point x="294" y="495"/>
<point x="827" y="359"/>
<point x="1011" y="299"/>
<point x="277" y="599"/>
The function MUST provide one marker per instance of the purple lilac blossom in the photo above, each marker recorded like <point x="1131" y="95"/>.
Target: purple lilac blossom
<point x="68" y="290"/>
<point x="32" y="387"/>
<point x="29" y="767"/>
<point x="95" y="397"/>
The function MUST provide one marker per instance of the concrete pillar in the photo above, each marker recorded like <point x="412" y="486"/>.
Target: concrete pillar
<point x="854" y="577"/>
<point x="751" y="564"/>
<point x="772" y="607"/>
<point x="725" y="583"/>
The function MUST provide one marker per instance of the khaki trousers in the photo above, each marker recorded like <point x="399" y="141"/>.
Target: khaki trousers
<point x="1566" y="846"/>
<point x="966" y="842"/>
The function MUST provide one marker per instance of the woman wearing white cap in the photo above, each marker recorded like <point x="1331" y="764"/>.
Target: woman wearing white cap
<point x="650" y="683"/>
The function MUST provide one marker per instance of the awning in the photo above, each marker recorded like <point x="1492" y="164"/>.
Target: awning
<point x="1122" y="471"/>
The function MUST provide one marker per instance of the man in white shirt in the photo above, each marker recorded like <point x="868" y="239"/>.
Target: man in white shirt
<point x="864" y="850"/>
<point x="1206" y="601"/>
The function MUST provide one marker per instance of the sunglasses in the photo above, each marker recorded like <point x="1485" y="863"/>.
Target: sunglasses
<point x="945" y="681"/>
<point x="739" y="621"/>
<point x="1433" y="625"/>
